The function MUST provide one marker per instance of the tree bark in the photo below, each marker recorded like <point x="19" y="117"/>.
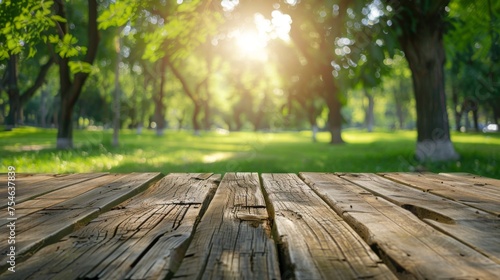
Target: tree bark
<point x="369" y="115"/>
<point x="422" y="43"/>
<point x="495" y="105"/>
<point x="311" y="117"/>
<point x="189" y="92"/>
<point x="70" y="90"/>
<point x="17" y="100"/>
<point x="399" y="109"/>
<point x="457" y="110"/>
<point x="117" y="91"/>
<point x="43" y="109"/>
<point x="331" y="96"/>
<point x="13" y="93"/>
<point x="475" y="118"/>
<point x="195" y="118"/>
<point x="160" y="109"/>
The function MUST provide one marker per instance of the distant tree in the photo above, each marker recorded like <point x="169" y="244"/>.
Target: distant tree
<point x="473" y="49"/>
<point x="419" y="27"/>
<point x="301" y="85"/>
<point x="73" y="74"/>
<point x="23" y="28"/>
<point x="170" y="31"/>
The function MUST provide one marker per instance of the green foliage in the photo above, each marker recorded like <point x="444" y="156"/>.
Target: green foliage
<point x="67" y="46"/>
<point x="23" y="23"/>
<point x="473" y="49"/>
<point x="80" y="67"/>
<point x="118" y="14"/>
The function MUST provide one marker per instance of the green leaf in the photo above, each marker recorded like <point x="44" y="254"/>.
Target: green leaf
<point x="32" y="52"/>
<point x="54" y="39"/>
<point x="80" y="67"/>
<point x="58" y="18"/>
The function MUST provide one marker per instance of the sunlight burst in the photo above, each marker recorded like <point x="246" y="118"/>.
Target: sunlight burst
<point x="251" y="45"/>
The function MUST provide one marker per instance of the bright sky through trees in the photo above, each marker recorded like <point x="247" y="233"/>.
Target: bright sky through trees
<point x="252" y="43"/>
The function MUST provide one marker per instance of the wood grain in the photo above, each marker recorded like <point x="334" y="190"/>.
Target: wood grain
<point x="197" y="226"/>
<point x="475" y="179"/>
<point x="143" y="238"/>
<point x="48" y="225"/>
<point x="26" y="180"/>
<point x="233" y="240"/>
<point x="316" y="242"/>
<point x="476" y="228"/>
<point x="38" y="203"/>
<point x="32" y="187"/>
<point x="472" y="194"/>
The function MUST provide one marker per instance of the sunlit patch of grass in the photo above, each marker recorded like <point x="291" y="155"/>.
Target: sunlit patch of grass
<point x="483" y="138"/>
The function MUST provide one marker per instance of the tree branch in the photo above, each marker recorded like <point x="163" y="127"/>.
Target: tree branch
<point x="39" y="81"/>
<point x="93" y="37"/>
<point x="183" y="81"/>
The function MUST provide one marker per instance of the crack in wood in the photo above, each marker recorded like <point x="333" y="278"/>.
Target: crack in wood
<point x="424" y="213"/>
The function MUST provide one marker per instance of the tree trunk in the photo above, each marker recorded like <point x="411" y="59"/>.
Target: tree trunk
<point x="196" y="122"/>
<point x="458" y="112"/>
<point x="369" y="115"/>
<point x="423" y="48"/>
<point x="71" y="90"/>
<point x="159" y="114"/>
<point x="65" y="129"/>
<point x="17" y="99"/>
<point x="13" y="93"/>
<point x="311" y="116"/>
<point x="237" y="120"/>
<point x="191" y="94"/>
<point x="399" y="112"/>
<point x="495" y="105"/>
<point x="43" y="108"/>
<point x="475" y="118"/>
<point x="208" y="113"/>
<point x="180" y="121"/>
<point x="160" y="109"/>
<point x="206" y="105"/>
<point x="467" y="120"/>
<point x="322" y="66"/>
<point x="334" y="106"/>
<point x="116" y="99"/>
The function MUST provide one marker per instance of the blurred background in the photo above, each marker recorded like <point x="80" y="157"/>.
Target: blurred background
<point x="266" y="86"/>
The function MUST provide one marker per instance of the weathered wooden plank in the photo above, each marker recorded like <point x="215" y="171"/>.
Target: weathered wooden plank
<point x="25" y="180"/>
<point x="29" y="191"/>
<point x="233" y="240"/>
<point x="317" y="243"/>
<point x="410" y="247"/>
<point x="31" y="206"/>
<point x="475" y="179"/>
<point x="44" y="227"/>
<point x="143" y="238"/>
<point x="29" y="178"/>
<point x="476" y="228"/>
<point x="464" y="192"/>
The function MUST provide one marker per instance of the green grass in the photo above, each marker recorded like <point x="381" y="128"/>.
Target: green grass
<point x="33" y="150"/>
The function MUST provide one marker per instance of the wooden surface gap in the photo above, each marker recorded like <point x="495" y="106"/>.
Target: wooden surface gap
<point x="233" y="239"/>
<point x="461" y="191"/>
<point x="315" y="242"/>
<point x="246" y="226"/>
<point x="402" y="240"/>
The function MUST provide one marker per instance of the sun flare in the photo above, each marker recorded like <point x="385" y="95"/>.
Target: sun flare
<point x="251" y="45"/>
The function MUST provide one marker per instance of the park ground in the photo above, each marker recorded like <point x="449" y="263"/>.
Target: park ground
<point x="32" y="150"/>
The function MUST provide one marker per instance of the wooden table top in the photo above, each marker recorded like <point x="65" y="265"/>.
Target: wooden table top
<point x="250" y="226"/>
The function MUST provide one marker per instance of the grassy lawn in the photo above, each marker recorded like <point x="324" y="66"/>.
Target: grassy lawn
<point x="33" y="150"/>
